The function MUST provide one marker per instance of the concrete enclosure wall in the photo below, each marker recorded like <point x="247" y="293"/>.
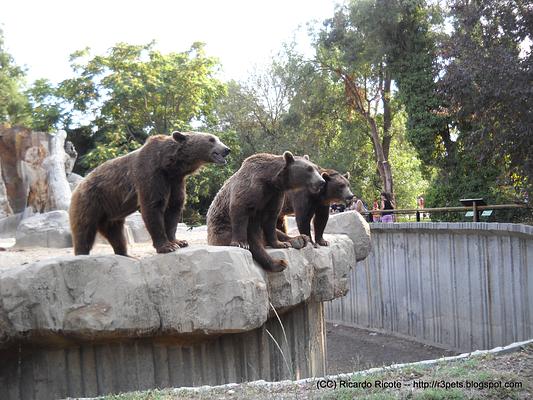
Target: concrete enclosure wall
<point x="463" y="286"/>
<point x="90" y="369"/>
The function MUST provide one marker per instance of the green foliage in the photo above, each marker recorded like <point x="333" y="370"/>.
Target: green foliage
<point x="133" y="92"/>
<point x="114" y="145"/>
<point x="203" y="186"/>
<point x="46" y="106"/>
<point x="14" y="107"/>
<point x="414" y="62"/>
<point x="488" y="80"/>
<point x="410" y="181"/>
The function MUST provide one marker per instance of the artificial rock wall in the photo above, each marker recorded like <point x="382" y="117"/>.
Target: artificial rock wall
<point x="92" y="325"/>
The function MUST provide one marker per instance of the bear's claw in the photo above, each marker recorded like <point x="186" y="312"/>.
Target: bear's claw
<point x="322" y="242"/>
<point x="241" y="244"/>
<point x="180" y="243"/>
<point x="278" y="266"/>
<point x="167" y="248"/>
<point x="280" y="245"/>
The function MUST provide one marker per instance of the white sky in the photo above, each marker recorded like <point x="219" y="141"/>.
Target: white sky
<point x="41" y="34"/>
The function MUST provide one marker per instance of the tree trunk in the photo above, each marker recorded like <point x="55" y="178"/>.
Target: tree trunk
<point x="383" y="166"/>
<point x="387" y="115"/>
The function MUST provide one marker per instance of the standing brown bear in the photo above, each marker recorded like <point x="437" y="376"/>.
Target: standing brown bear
<point x="306" y="205"/>
<point x="151" y="179"/>
<point x="245" y="210"/>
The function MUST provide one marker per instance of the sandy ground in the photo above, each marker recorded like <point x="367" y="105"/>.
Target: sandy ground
<point x="352" y="349"/>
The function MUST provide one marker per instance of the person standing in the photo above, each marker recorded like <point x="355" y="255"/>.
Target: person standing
<point x="387" y="204"/>
<point x="376" y="216"/>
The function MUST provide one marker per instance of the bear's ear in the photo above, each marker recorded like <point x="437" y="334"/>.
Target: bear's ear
<point x="306" y="157"/>
<point x="178" y="136"/>
<point x="347" y="175"/>
<point x="289" y="158"/>
<point x="326" y="176"/>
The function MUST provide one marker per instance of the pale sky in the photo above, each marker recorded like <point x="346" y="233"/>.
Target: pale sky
<point x="41" y="34"/>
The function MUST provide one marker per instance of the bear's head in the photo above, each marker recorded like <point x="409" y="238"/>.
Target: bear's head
<point x="337" y="186"/>
<point x="300" y="173"/>
<point x="203" y="147"/>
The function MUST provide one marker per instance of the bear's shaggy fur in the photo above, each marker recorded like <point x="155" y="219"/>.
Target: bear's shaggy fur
<point x="151" y="179"/>
<point x="245" y="210"/>
<point x="305" y="205"/>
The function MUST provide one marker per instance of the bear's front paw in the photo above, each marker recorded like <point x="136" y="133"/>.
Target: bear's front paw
<point x="180" y="243"/>
<point x="299" y="242"/>
<point x="240" y="243"/>
<point x="278" y="266"/>
<point x="167" y="247"/>
<point x="280" y="245"/>
<point x="322" y="242"/>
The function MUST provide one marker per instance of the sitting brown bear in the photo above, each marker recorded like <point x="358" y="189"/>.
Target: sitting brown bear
<point x="245" y="210"/>
<point x="151" y="179"/>
<point x="306" y="204"/>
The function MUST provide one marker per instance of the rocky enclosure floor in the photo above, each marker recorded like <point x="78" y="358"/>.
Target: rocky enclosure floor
<point x="13" y="256"/>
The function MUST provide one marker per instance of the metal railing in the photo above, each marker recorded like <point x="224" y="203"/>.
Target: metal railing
<point x="474" y="208"/>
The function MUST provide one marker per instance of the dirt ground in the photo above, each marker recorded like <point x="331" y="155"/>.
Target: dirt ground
<point x="352" y="349"/>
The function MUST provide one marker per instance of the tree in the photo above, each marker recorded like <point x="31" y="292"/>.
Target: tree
<point x="414" y="61"/>
<point x="136" y="91"/>
<point x="47" y="108"/>
<point x="488" y="81"/>
<point x="352" y="47"/>
<point x="14" y="107"/>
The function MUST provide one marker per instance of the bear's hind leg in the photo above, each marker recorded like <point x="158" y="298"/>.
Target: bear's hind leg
<point x="83" y="239"/>
<point x="113" y="231"/>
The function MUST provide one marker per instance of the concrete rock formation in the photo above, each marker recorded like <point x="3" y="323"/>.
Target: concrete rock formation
<point x="92" y="325"/>
<point x="50" y="229"/>
<point x="34" y="168"/>
<point x="353" y="224"/>
<point x="198" y="290"/>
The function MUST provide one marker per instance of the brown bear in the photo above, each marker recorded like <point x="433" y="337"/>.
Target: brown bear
<point x="306" y="204"/>
<point x="151" y="179"/>
<point x="245" y="210"/>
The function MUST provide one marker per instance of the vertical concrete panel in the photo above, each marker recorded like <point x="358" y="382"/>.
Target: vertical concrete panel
<point x="74" y="370"/>
<point x="445" y="319"/>
<point x="161" y="362"/>
<point x="12" y="387"/>
<point x="105" y="373"/>
<point x="175" y="366"/>
<point x="40" y="374"/>
<point x="476" y="291"/>
<point x="494" y="294"/>
<point x="187" y="365"/>
<point x="121" y="379"/>
<point x="128" y="364"/>
<point x="26" y="377"/>
<point x="58" y="374"/>
<point x="527" y="262"/>
<point x="518" y="276"/>
<point x="506" y="282"/>
<point x="88" y="367"/>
